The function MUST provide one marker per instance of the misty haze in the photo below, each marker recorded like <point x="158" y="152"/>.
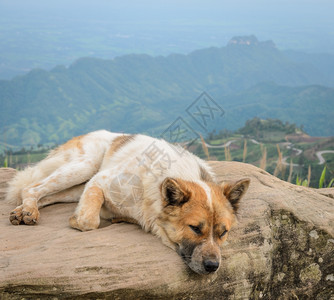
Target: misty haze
<point x="246" y="84"/>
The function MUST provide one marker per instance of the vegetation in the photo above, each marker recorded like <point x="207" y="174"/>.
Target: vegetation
<point x="141" y="93"/>
<point x="268" y="129"/>
<point x="291" y="158"/>
<point x="322" y="178"/>
<point x="23" y="157"/>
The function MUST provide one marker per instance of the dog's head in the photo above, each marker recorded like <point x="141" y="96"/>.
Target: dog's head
<point x="197" y="218"/>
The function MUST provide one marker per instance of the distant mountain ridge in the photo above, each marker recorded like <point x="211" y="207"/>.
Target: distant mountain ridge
<point x="250" y="41"/>
<point x="140" y="93"/>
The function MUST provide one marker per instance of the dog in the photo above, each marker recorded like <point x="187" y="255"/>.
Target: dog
<point x="138" y="179"/>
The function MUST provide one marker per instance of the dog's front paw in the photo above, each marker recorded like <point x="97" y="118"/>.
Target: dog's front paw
<point x="28" y="215"/>
<point x="84" y="224"/>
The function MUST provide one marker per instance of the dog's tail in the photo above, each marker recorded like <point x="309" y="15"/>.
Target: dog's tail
<point x="31" y="176"/>
<point x="21" y="179"/>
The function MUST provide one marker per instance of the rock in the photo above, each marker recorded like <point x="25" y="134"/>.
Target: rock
<point x="282" y="247"/>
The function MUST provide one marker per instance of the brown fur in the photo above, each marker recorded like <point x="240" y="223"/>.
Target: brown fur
<point x="91" y="206"/>
<point x="124" y="219"/>
<point x="73" y="143"/>
<point x="235" y="191"/>
<point x="193" y="209"/>
<point x="204" y="175"/>
<point x="118" y="143"/>
<point x="197" y="211"/>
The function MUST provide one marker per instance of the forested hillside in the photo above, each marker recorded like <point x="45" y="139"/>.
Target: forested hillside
<point x="140" y="93"/>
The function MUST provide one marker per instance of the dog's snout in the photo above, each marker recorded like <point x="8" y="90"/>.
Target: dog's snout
<point x="210" y="266"/>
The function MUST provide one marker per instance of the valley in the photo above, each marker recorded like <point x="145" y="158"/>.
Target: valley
<point x="143" y="94"/>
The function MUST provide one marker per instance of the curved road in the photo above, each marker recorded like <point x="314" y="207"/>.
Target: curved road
<point x="320" y="157"/>
<point x="298" y="152"/>
<point x="227" y="144"/>
<point x="284" y="160"/>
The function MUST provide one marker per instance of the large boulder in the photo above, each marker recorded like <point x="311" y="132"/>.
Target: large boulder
<point x="281" y="248"/>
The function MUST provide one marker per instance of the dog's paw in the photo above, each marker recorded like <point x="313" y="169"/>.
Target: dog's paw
<point x="84" y="224"/>
<point x="24" y="214"/>
<point x="15" y="216"/>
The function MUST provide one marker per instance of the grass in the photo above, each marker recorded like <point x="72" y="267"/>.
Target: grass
<point x="269" y="155"/>
<point x="21" y="160"/>
<point x="205" y="148"/>
<point x="244" y="155"/>
<point x="322" y="178"/>
<point x="263" y="161"/>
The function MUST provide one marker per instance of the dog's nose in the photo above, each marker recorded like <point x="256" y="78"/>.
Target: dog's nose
<point x="210" y="266"/>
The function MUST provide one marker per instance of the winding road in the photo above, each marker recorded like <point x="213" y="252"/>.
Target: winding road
<point x="321" y="158"/>
<point x="227" y="144"/>
<point x="284" y="159"/>
<point x="298" y="152"/>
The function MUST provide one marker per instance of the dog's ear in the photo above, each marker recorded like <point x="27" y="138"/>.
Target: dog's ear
<point x="234" y="191"/>
<point x="174" y="192"/>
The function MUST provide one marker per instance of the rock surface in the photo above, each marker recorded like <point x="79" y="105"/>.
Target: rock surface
<point x="281" y="248"/>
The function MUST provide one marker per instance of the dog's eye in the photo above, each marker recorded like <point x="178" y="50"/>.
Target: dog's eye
<point x="223" y="234"/>
<point x="195" y="229"/>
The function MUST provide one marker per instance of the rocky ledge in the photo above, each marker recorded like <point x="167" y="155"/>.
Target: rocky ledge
<point x="282" y="248"/>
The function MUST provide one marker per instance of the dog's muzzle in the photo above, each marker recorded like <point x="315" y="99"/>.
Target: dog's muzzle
<point x="210" y="266"/>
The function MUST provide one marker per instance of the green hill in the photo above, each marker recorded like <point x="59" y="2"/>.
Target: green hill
<point x="310" y="106"/>
<point x="140" y="93"/>
<point x="280" y="148"/>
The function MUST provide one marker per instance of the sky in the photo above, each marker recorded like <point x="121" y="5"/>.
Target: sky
<point x="313" y="11"/>
<point x="36" y="33"/>
<point x="312" y="7"/>
<point x="293" y="13"/>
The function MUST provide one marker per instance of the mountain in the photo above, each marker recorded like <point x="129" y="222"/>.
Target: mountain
<point x="310" y="106"/>
<point x="323" y="62"/>
<point x="141" y="93"/>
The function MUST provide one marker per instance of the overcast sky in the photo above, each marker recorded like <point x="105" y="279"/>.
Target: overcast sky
<point x="209" y="8"/>
<point x="156" y="27"/>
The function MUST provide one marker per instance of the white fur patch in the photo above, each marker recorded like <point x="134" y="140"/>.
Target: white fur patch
<point x="207" y="190"/>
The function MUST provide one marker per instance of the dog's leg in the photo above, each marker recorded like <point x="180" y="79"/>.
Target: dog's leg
<point x="70" y="195"/>
<point x="87" y="214"/>
<point x="66" y="176"/>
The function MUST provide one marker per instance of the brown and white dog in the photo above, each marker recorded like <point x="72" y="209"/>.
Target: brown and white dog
<point x="134" y="178"/>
